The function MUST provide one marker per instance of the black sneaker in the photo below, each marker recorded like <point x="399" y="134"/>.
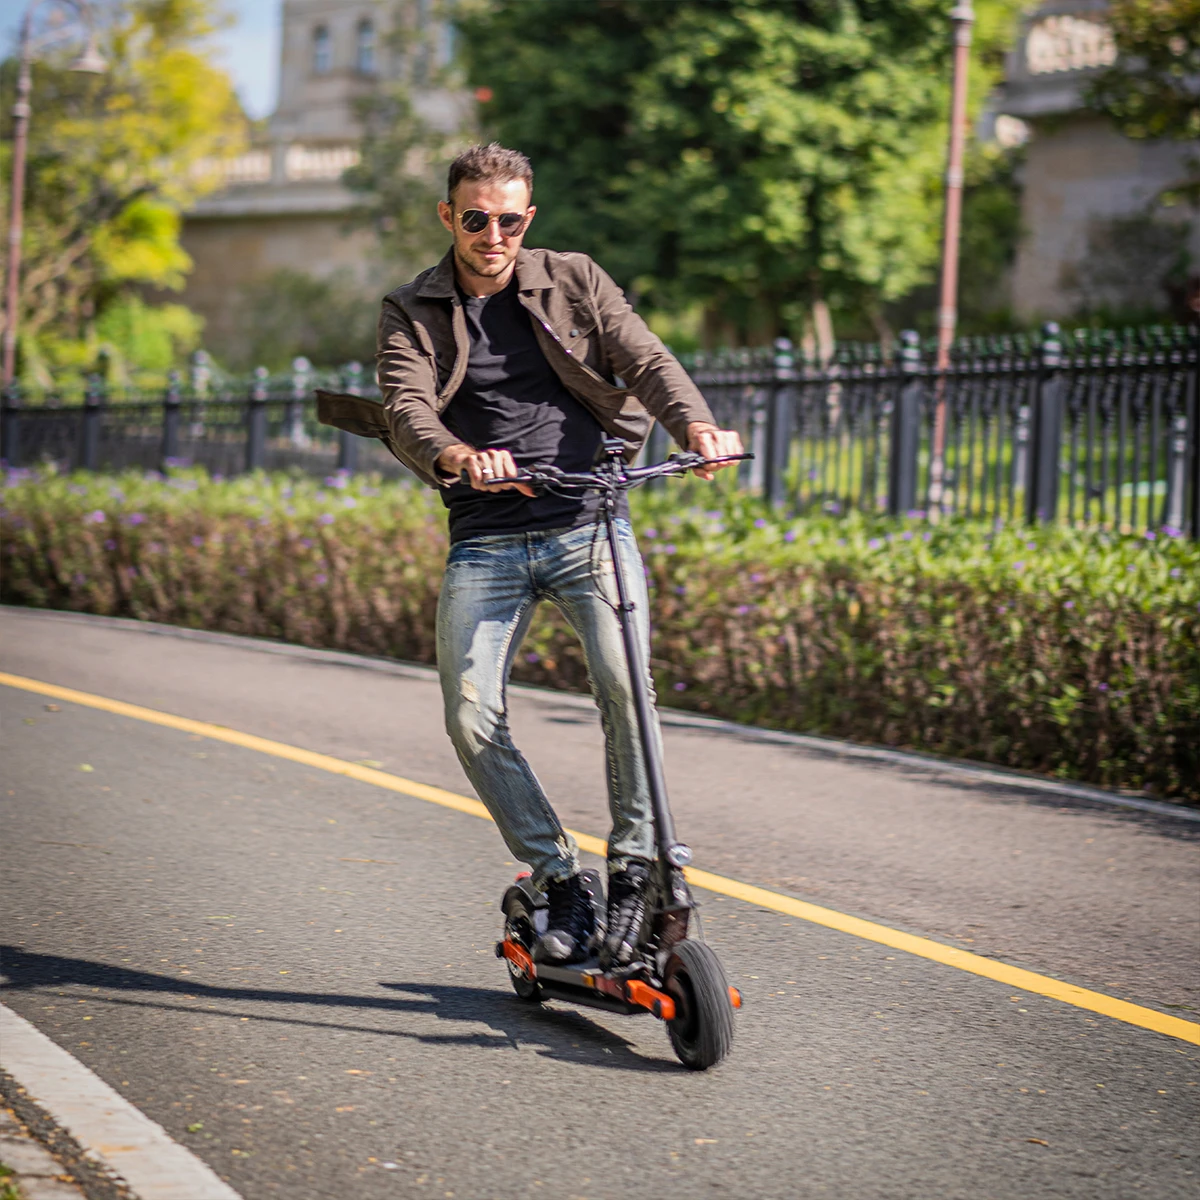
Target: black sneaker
<point x="571" y="927"/>
<point x="626" y="912"/>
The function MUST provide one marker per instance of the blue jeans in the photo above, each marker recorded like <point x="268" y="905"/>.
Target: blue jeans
<point x="489" y="592"/>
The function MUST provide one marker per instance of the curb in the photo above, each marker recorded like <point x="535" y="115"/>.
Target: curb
<point x="926" y="764"/>
<point x="118" y="1151"/>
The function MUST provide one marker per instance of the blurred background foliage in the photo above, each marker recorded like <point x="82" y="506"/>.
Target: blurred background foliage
<point x="777" y="166"/>
<point x="744" y="168"/>
<point x="113" y="161"/>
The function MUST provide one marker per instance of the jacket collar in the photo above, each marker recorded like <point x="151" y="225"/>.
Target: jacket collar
<point x="531" y="275"/>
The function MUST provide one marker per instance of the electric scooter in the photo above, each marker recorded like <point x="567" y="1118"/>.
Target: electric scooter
<point x="674" y="976"/>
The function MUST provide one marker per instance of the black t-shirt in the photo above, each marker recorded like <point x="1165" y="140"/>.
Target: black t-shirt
<point x="512" y="400"/>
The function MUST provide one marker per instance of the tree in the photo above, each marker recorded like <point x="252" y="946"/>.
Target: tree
<point x="766" y="158"/>
<point x="113" y="161"/>
<point x="1153" y="89"/>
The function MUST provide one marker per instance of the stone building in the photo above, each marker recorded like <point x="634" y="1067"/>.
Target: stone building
<point x="283" y="204"/>
<point x="1097" y="234"/>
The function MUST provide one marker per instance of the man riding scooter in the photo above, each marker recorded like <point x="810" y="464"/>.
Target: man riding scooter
<point x="501" y="358"/>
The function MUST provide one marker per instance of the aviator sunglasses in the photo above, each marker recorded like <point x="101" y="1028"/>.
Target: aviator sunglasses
<point x="475" y="220"/>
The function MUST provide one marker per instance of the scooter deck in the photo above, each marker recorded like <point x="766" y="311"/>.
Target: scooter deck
<point x="587" y="983"/>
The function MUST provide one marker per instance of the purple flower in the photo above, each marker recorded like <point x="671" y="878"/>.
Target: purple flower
<point x="1069" y="604"/>
<point x="742" y="609"/>
<point x="1103" y="687"/>
<point x="841" y="541"/>
<point x="681" y="687"/>
<point x="79" y="579"/>
<point x="760" y="523"/>
<point x="756" y="578"/>
<point x="907" y="535"/>
<point x="319" y="580"/>
<point x="1018" y="566"/>
<point x="1175" y="572"/>
<point x="834" y="507"/>
<point x="131" y="572"/>
<point x="790" y="536"/>
<point x="1130" y="567"/>
<point x="349" y="502"/>
<point x="533" y="656"/>
<point x="915" y="514"/>
<point x="1150" y="535"/>
<point x="650" y="533"/>
<point x="135" y="519"/>
<point x="874" y="544"/>
<point x="109" y="544"/>
<point x="1171" y="531"/>
<point x="97" y="517"/>
<point x="307" y="543"/>
<point x="1031" y="545"/>
<point x="1002" y="609"/>
<point x="681" y="590"/>
<point x="670" y="548"/>
<point x="197" y="541"/>
<point x="927" y="536"/>
<point x="155" y="547"/>
<point x="325" y="519"/>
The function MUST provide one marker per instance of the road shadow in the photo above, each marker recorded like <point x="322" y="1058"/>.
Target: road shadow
<point x="565" y="1036"/>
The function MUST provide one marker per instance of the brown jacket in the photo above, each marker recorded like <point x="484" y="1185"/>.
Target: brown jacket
<point x="585" y="327"/>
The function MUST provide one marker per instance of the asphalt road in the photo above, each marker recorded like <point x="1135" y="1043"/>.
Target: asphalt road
<point x="293" y="972"/>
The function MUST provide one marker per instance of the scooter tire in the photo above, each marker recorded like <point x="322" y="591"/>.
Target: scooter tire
<point x="519" y="926"/>
<point x="702" y="1031"/>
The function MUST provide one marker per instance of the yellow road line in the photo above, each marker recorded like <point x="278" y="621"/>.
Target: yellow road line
<point x="950" y="956"/>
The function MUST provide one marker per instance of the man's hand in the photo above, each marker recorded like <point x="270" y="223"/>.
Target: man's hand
<point x="711" y="442"/>
<point x="481" y="466"/>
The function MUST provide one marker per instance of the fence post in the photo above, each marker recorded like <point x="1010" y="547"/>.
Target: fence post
<point x="171" y="406"/>
<point x="779" y="424"/>
<point x="10" y="425"/>
<point x="93" y="414"/>
<point x="301" y="378"/>
<point x="256" y="422"/>
<point x="906" y="428"/>
<point x="1191" y="406"/>
<point x="1041" y="492"/>
<point x="347" y="459"/>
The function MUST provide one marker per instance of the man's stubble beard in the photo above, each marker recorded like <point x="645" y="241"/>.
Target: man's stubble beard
<point x="465" y="262"/>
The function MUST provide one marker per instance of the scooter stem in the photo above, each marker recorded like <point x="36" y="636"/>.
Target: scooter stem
<point x="671" y="850"/>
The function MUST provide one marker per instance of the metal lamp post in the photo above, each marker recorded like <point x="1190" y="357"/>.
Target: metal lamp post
<point x="963" y="17"/>
<point x="88" y="61"/>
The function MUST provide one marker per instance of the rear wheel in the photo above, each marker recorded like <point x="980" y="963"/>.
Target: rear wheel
<point x="702" y="1030"/>
<point x="519" y="928"/>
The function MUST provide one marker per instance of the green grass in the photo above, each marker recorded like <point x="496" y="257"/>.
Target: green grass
<point x="1069" y="651"/>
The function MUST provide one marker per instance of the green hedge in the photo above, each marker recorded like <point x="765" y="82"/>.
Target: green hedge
<point x="1065" y="651"/>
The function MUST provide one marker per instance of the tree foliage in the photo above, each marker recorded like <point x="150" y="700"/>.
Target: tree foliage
<point x="113" y="160"/>
<point x="1153" y="89"/>
<point x="756" y="156"/>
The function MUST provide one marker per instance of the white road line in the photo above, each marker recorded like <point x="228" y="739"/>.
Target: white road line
<point x="102" y="1122"/>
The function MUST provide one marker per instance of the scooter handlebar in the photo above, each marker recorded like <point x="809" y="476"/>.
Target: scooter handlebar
<point x="678" y="464"/>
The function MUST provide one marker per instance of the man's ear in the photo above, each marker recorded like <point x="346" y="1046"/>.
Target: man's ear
<point x="446" y="213"/>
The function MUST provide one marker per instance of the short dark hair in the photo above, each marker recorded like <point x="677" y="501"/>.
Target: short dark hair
<point x="492" y="163"/>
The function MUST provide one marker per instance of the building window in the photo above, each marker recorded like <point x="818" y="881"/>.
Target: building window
<point x="322" y="51"/>
<point x="364" y="59"/>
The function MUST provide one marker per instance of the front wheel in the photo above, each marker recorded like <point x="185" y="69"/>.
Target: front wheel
<point x="702" y="1030"/>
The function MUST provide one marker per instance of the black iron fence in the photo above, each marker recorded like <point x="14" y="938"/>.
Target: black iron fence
<point x="1092" y="426"/>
